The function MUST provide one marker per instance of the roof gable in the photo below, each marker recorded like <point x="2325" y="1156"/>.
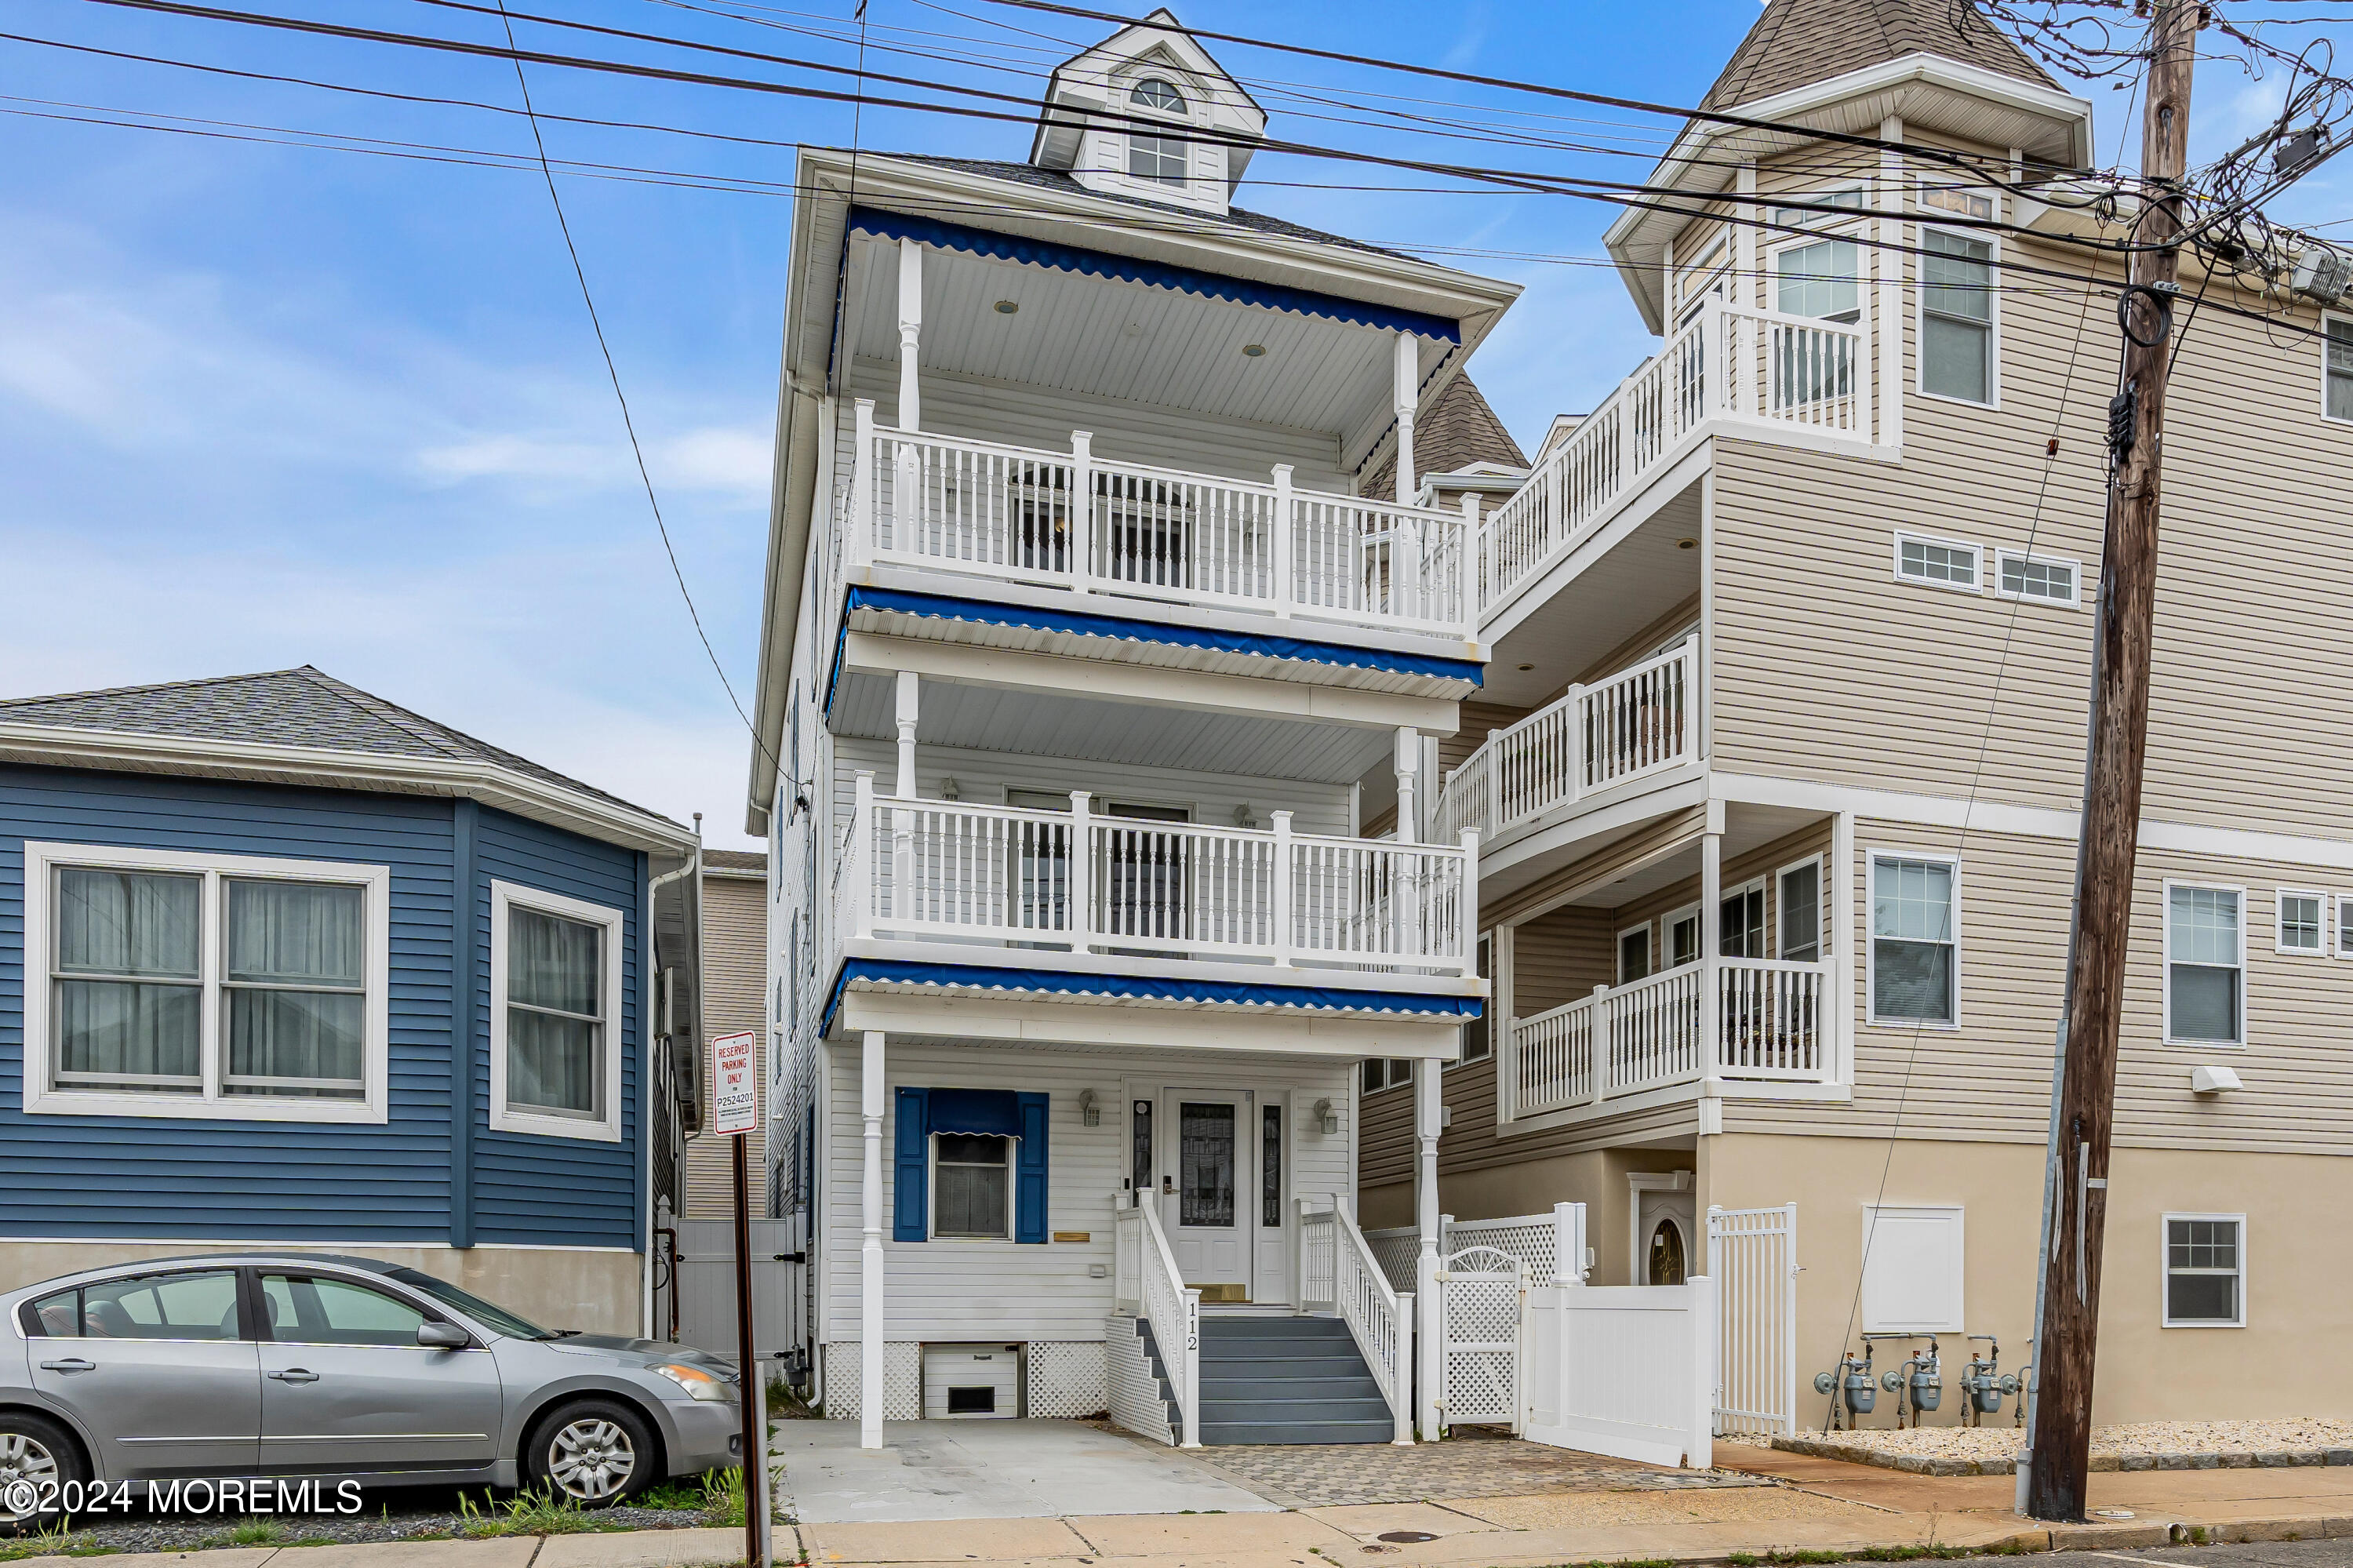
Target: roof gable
<point x="1796" y="43"/>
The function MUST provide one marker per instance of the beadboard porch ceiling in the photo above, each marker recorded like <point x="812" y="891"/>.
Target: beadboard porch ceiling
<point x="1626" y="585"/>
<point x="1088" y="336"/>
<point x="1746" y="828"/>
<point x="985" y="718"/>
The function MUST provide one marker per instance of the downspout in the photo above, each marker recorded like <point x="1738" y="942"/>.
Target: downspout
<point x="648" y="990"/>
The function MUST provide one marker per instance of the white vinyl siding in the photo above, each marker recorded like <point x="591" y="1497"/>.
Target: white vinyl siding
<point x="1914" y="953"/>
<point x="2205" y="1263"/>
<point x="1938" y="563"/>
<point x="555" y="1013"/>
<point x="2205" y="965"/>
<point x="170" y="983"/>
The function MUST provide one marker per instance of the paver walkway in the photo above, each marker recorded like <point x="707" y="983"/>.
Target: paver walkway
<point x="1326" y="1475"/>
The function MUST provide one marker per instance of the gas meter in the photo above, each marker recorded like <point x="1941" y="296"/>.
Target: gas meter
<point x="1853" y="1380"/>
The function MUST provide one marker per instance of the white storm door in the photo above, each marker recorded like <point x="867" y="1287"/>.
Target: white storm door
<point x="1207" y="1190"/>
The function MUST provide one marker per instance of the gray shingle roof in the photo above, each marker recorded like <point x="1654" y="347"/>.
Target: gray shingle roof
<point x="303" y="708"/>
<point x="1797" y="42"/>
<point x="1055" y="180"/>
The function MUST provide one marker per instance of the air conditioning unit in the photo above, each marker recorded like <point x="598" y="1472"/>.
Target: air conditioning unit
<point x="972" y="1382"/>
<point x="2322" y="272"/>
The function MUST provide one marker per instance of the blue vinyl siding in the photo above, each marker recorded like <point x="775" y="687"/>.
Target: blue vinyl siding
<point x="170" y="1179"/>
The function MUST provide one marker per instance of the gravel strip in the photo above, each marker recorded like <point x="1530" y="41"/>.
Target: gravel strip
<point x="185" y="1532"/>
<point x="2139" y="1445"/>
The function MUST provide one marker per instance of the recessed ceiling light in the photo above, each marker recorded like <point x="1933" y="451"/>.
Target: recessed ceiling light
<point x="1687" y="544"/>
<point x="1007" y="307"/>
<point x="1526" y="667"/>
<point x="1254" y="350"/>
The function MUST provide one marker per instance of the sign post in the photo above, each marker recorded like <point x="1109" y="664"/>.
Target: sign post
<point x="735" y="1112"/>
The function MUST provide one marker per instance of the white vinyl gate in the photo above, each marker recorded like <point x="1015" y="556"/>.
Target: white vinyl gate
<point x="1485" y="1294"/>
<point x="1752" y="1257"/>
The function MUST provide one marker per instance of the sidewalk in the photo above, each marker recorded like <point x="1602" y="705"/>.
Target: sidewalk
<point x="1819" y="1505"/>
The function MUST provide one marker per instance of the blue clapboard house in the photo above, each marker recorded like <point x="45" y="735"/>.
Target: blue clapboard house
<point x="282" y="961"/>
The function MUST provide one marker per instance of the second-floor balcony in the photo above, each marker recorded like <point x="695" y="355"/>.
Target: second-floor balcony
<point x="1123" y="535"/>
<point x="1080" y="882"/>
<point x="1731" y="369"/>
<point x="1635" y="724"/>
<point x="1734" y="1021"/>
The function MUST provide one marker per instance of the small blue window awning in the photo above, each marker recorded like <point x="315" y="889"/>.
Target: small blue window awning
<point x="884" y="225"/>
<point x="992" y="1113"/>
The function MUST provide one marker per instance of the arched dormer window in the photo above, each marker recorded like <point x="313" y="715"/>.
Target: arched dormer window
<point x="1160" y="159"/>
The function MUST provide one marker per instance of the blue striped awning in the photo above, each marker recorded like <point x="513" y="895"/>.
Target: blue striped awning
<point x="1154" y="274"/>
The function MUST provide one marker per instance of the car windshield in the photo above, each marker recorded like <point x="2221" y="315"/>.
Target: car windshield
<point x="497" y="1318"/>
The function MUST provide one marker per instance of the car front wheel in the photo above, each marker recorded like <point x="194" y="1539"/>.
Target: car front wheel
<point x="39" y="1462"/>
<point x="595" y="1452"/>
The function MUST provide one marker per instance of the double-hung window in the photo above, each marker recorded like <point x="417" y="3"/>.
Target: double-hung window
<point x="164" y="982"/>
<point x="2205" y="965"/>
<point x="1912" y="947"/>
<point x="2205" y="1271"/>
<point x="972" y="1187"/>
<point x="1800" y="912"/>
<point x="1740" y="923"/>
<point x="2337" y="369"/>
<point x="1957" y="319"/>
<point x="556" y="990"/>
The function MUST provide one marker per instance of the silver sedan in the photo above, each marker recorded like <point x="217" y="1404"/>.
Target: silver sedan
<point x="308" y="1367"/>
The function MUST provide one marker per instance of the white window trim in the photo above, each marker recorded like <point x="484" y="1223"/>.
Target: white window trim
<point x="2326" y="317"/>
<point x="1667" y="930"/>
<point x="1871" y="858"/>
<point x="2340" y="908"/>
<point x="1387" y="1082"/>
<point x="1859" y="215"/>
<point x="41" y="859"/>
<point x="2074" y="600"/>
<point x="1618" y="951"/>
<point x="505" y="896"/>
<point x="2245" y="1000"/>
<point x="1193" y="120"/>
<point x="1769" y="265"/>
<point x="1725" y="896"/>
<point x="931" y="1194"/>
<point x="1821" y="905"/>
<point x="2165" y="1275"/>
<point x="1977" y="561"/>
<point x="1491" y="951"/>
<point x="1993" y="318"/>
<point x="2279" y="924"/>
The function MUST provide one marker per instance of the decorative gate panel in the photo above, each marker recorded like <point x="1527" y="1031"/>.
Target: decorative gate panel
<point x="1752" y="1257"/>
<point x="1485" y="1291"/>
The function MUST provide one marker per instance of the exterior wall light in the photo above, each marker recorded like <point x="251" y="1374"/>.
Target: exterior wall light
<point x="1327" y="1120"/>
<point x="1090" y="1113"/>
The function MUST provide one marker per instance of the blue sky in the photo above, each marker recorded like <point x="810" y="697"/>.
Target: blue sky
<point x="265" y="405"/>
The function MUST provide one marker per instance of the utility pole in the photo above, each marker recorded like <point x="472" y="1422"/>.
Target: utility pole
<point x="2053" y="1475"/>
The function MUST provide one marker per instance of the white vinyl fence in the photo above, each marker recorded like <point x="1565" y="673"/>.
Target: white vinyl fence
<point x="1623" y="1370"/>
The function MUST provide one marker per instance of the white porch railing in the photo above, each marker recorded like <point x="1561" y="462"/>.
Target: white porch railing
<point x="1641" y="720"/>
<point x="1073" y="521"/>
<point x="941" y="869"/>
<point x="1146" y="1285"/>
<point x="1768" y="370"/>
<point x="1337" y="1272"/>
<point x="1770" y="1022"/>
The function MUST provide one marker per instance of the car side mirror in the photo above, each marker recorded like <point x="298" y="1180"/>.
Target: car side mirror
<point x="443" y="1337"/>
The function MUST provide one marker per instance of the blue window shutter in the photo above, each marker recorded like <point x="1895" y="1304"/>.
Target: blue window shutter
<point x="911" y="1192"/>
<point x="1029" y="1172"/>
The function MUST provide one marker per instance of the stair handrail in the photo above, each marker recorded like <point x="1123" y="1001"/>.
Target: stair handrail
<point x="1379" y="1319"/>
<point x="1174" y="1310"/>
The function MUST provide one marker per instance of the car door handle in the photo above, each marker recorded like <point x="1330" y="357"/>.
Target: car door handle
<point x="71" y="1364"/>
<point x="296" y="1374"/>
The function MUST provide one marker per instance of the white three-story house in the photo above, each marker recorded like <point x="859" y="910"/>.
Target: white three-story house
<point x="1086" y="658"/>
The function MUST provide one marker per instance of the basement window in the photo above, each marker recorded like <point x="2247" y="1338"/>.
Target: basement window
<point x="2205" y="1271"/>
<point x="2018" y="574"/>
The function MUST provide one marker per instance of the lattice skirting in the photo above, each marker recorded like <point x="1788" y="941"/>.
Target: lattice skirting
<point x="1134" y="1389"/>
<point x="1066" y="1379"/>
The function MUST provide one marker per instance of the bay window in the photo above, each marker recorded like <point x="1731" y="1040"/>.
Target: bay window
<point x="166" y="982"/>
<point x="556" y="990"/>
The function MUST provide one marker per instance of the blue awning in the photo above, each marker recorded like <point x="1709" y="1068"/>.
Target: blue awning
<point x="1083" y="624"/>
<point x="992" y="1113"/>
<point x="1330" y="999"/>
<point x="1155" y="274"/>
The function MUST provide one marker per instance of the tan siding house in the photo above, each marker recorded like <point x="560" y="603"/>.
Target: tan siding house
<point x="734" y="978"/>
<point x="1778" y="766"/>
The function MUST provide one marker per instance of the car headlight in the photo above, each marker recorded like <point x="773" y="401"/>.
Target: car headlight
<point x="697" y="1383"/>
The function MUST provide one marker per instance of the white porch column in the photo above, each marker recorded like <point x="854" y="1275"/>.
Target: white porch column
<point x="911" y="332"/>
<point x="1429" y="1295"/>
<point x="1710" y="942"/>
<point x="870" y="1260"/>
<point x="1407" y="762"/>
<point x="1406" y="392"/>
<point x="902" y="818"/>
<point x="908" y="694"/>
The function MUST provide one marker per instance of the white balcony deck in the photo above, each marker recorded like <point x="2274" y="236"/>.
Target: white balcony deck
<point x="1074" y="882"/>
<point x="1736" y="1020"/>
<point x="1758" y="374"/>
<point x="1637" y="724"/>
<point x="1119" y="533"/>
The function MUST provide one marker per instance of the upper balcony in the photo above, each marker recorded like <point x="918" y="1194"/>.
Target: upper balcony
<point x="1126" y="539"/>
<point x="1728" y="369"/>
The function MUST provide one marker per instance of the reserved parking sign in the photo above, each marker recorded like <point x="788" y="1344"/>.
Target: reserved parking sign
<point x="735" y="1085"/>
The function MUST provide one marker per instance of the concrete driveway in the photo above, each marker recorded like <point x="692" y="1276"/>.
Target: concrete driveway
<point x="990" y="1469"/>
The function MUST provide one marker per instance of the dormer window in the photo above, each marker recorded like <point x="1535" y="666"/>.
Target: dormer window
<point x="1160" y="159"/>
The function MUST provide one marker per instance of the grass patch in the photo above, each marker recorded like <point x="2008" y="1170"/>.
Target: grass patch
<point x="537" y="1513"/>
<point x="672" y="1497"/>
<point x="248" y="1531"/>
<point x="723" y="1495"/>
<point x="51" y="1541"/>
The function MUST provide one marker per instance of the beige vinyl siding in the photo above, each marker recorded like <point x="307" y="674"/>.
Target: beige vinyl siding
<point x="1477" y="721"/>
<point x="735" y="972"/>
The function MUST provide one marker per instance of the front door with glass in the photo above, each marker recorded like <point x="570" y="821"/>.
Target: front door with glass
<point x="1208" y="1189"/>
